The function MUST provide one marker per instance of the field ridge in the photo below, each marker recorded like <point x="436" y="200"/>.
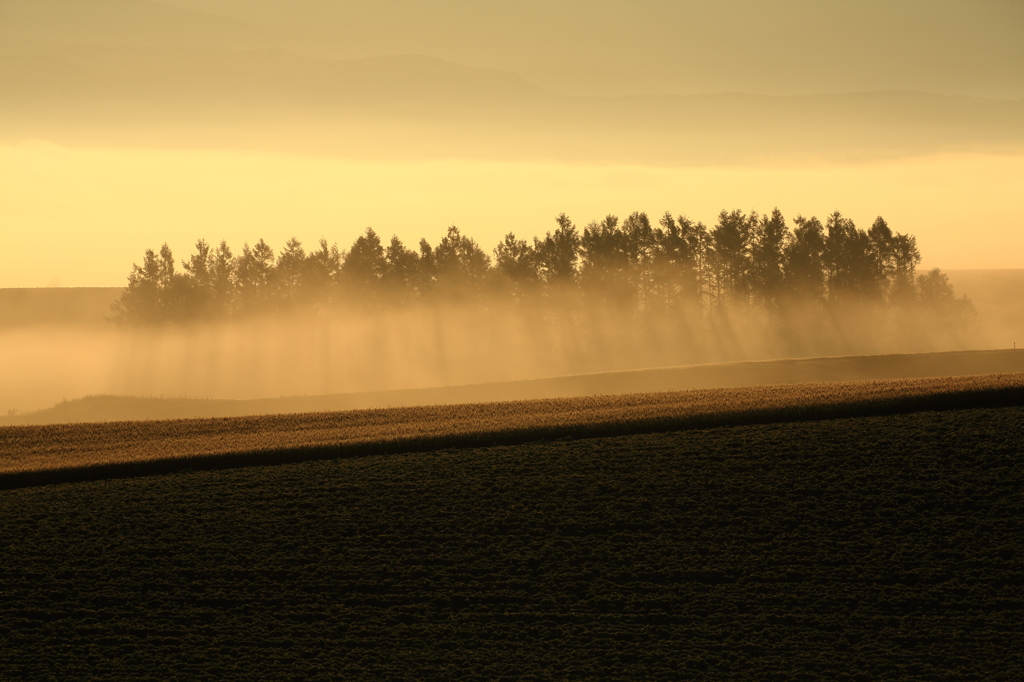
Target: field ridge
<point x="99" y="408"/>
<point x="40" y="455"/>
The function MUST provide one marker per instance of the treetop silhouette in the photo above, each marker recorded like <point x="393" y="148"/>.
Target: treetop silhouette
<point x="745" y="261"/>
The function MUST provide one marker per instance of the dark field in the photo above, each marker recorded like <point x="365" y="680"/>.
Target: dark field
<point x="862" y="549"/>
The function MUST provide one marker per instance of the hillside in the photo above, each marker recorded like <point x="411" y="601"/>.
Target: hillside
<point x="37" y="455"/>
<point x="883" y="548"/>
<point x="104" y="408"/>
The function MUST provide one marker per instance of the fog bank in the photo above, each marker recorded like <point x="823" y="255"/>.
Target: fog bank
<point x="424" y="347"/>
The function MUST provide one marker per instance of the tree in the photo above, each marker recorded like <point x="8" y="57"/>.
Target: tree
<point x="881" y="239"/>
<point x="730" y="255"/>
<point x="804" y="258"/>
<point x="253" y="268"/>
<point x="604" y="272"/>
<point x="402" y="278"/>
<point x="289" y="275"/>
<point x="897" y="258"/>
<point x="222" y="274"/>
<point x="201" y="268"/>
<point x="680" y="247"/>
<point x="939" y="302"/>
<point x="768" y="258"/>
<point x="427" y="270"/>
<point x="851" y="261"/>
<point x="140" y="301"/>
<point x="677" y="265"/>
<point x="363" y="268"/>
<point x="155" y="292"/>
<point x="517" y="261"/>
<point x="461" y="265"/>
<point x="640" y="245"/>
<point x="905" y="258"/>
<point x="320" y="272"/>
<point x="558" y="253"/>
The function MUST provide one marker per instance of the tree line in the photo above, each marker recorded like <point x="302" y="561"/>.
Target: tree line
<point x="745" y="261"/>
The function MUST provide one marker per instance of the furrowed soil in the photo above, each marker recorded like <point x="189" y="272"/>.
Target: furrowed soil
<point x="870" y="548"/>
<point x="75" y="452"/>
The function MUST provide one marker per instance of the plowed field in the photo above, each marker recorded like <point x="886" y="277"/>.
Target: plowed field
<point x="871" y="548"/>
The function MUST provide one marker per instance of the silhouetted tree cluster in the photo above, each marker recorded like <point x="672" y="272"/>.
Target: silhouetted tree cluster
<point x="744" y="261"/>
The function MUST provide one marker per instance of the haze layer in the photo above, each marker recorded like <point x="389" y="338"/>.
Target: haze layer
<point x="127" y="124"/>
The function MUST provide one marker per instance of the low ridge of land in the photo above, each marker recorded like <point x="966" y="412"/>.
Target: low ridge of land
<point x="33" y="455"/>
<point x="723" y="375"/>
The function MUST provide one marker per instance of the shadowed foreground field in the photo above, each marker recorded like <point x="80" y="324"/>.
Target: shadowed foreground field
<point x="871" y="548"/>
<point x="73" y="452"/>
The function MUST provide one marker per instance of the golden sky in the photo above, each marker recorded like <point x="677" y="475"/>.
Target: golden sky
<point x="129" y="123"/>
<point x="88" y="214"/>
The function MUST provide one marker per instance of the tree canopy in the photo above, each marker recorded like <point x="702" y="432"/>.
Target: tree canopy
<point x="745" y="261"/>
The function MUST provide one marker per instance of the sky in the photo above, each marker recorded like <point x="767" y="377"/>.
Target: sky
<point x="687" y="46"/>
<point x="96" y="211"/>
<point x="125" y="124"/>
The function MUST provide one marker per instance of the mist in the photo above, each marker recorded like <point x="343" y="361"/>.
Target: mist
<point x="306" y="354"/>
<point x="125" y="124"/>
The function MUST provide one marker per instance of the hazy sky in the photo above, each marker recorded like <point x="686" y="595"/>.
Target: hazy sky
<point x="128" y="123"/>
<point x="769" y="46"/>
<point x="684" y="46"/>
<point x="93" y="212"/>
<point x="125" y="124"/>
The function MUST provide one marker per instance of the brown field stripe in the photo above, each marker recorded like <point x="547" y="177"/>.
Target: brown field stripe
<point x="38" y="455"/>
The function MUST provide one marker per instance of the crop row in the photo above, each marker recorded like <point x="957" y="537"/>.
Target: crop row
<point x="42" y="454"/>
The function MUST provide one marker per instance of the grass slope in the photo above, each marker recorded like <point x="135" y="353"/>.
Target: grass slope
<point x="875" y="548"/>
<point x="53" y="454"/>
<point x="720" y="375"/>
